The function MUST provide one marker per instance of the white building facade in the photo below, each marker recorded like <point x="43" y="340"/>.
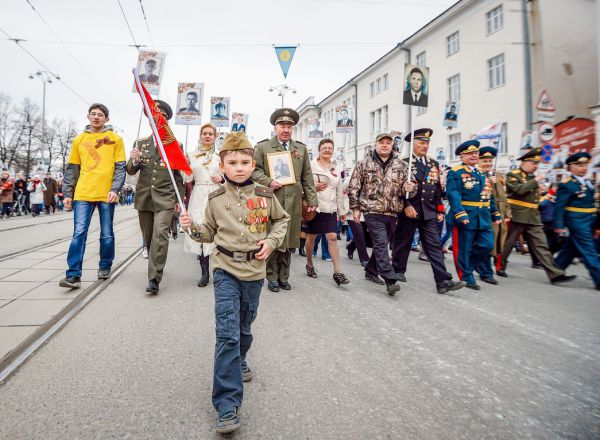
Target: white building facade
<point x="476" y="55"/>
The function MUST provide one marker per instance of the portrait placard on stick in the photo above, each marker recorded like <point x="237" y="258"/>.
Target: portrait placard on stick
<point x="345" y="118"/>
<point x="451" y="114"/>
<point x="239" y="121"/>
<point x="219" y="111"/>
<point x="151" y="65"/>
<point x="416" y="85"/>
<point x="189" y="103"/>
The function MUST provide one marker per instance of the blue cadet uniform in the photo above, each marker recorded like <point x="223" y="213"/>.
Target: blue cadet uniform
<point x="575" y="209"/>
<point x="470" y="196"/>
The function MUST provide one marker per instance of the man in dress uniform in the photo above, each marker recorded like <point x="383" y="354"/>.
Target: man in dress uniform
<point x="423" y="211"/>
<point x="290" y="196"/>
<point x="155" y="200"/>
<point x="523" y="196"/>
<point x="575" y="210"/>
<point x="487" y="156"/>
<point x="472" y="210"/>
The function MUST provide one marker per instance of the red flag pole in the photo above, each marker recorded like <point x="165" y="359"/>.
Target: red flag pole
<point x="157" y="137"/>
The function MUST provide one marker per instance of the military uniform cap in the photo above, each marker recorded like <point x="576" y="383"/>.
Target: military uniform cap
<point x="488" y="152"/>
<point x="382" y="136"/>
<point x="164" y="108"/>
<point x="532" y="155"/>
<point x="467" y="147"/>
<point x="286" y="115"/>
<point x="579" y="158"/>
<point x="422" y="134"/>
<point x="236" y="140"/>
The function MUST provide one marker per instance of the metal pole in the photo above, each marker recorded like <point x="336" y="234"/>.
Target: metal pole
<point x="44" y="118"/>
<point x="526" y="47"/>
<point x="187" y="127"/>
<point x="412" y="140"/>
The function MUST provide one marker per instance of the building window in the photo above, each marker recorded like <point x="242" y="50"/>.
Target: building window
<point x="494" y="20"/>
<point x="496" y="71"/>
<point x="503" y="139"/>
<point x="385" y="82"/>
<point x="378" y="86"/>
<point x="385" y="118"/>
<point x="454" y="88"/>
<point x="371" y="89"/>
<point x="372" y="115"/>
<point x="453" y="142"/>
<point x="421" y="59"/>
<point x="452" y="43"/>
<point x="378" y="111"/>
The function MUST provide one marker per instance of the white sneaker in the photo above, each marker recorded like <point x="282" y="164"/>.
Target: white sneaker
<point x="145" y="253"/>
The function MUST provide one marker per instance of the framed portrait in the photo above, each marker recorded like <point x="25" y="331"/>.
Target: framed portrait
<point x="344" y="119"/>
<point x="416" y="85"/>
<point x="451" y="114"/>
<point x="150" y="66"/>
<point x="189" y="103"/>
<point x="239" y="122"/>
<point x="281" y="167"/>
<point x="314" y="128"/>
<point x="219" y="111"/>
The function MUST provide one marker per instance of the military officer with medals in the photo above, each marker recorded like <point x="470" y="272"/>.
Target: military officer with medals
<point x="523" y="196"/>
<point x="423" y="211"/>
<point x="575" y="211"/>
<point x="290" y="196"/>
<point x="487" y="156"/>
<point x="155" y="200"/>
<point x="472" y="211"/>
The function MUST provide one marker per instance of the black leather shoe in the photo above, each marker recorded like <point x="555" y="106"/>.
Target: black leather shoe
<point x="374" y="278"/>
<point x="401" y="277"/>
<point x="563" y="279"/>
<point x="422" y="256"/>
<point x="489" y="280"/>
<point x="536" y="266"/>
<point x="392" y="288"/>
<point x="449" y="285"/>
<point x="273" y="286"/>
<point x="473" y="286"/>
<point x="152" y="286"/>
<point x="364" y="263"/>
<point x="350" y="254"/>
<point x="501" y="273"/>
<point x="285" y="285"/>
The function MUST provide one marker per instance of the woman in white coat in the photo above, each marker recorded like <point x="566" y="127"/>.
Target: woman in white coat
<point x="36" y="190"/>
<point x="204" y="162"/>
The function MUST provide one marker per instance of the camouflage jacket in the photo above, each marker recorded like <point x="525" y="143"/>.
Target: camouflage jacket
<point x="376" y="187"/>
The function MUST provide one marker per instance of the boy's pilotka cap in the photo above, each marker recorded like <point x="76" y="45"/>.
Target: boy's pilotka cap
<point x="236" y="140"/>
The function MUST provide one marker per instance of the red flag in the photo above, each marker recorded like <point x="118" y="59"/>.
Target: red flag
<point x="175" y="156"/>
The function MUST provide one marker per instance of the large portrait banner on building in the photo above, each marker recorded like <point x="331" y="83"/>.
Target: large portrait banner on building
<point x="150" y="66"/>
<point x="345" y="118"/>
<point x="219" y="111"/>
<point x="189" y="103"/>
<point x="416" y="85"/>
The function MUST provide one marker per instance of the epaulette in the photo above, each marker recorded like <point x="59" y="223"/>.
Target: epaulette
<point x="566" y="178"/>
<point x="216" y="193"/>
<point x="264" y="140"/>
<point x="457" y="167"/>
<point x="301" y="143"/>
<point x="263" y="191"/>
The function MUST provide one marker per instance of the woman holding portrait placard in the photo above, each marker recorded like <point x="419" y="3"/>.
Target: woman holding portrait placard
<point x="330" y="194"/>
<point x="204" y="162"/>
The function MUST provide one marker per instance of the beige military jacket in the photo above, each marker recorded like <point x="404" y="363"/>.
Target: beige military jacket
<point x="236" y="218"/>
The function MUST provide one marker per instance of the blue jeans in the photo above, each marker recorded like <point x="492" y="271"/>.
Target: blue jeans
<point x="236" y="306"/>
<point x="82" y="215"/>
<point x="324" y="247"/>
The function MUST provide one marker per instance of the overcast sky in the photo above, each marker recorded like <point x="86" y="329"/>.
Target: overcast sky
<point x="227" y="45"/>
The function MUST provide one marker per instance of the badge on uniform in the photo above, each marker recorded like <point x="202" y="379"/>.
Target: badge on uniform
<point x="468" y="181"/>
<point x="257" y="215"/>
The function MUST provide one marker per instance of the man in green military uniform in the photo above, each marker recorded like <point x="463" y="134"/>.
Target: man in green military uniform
<point x="236" y="219"/>
<point x="155" y="200"/>
<point x="523" y="196"/>
<point x="290" y="196"/>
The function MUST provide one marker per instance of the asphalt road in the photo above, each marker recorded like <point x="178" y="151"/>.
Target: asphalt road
<point x="515" y="361"/>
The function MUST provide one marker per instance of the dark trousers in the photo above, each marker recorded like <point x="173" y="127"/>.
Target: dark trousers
<point x="538" y="246"/>
<point x="236" y="307"/>
<point x="53" y="205"/>
<point x="358" y="242"/>
<point x="470" y="248"/>
<point x="278" y="265"/>
<point x="429" y="231"/>
<point x="581" y="243"/>
<point x="381" y="228"/>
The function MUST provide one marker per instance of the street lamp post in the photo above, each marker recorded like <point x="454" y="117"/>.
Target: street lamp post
<point x="46" y="78"/>
<point x="281" y="90"/>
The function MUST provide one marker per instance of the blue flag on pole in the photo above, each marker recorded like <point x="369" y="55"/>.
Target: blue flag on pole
<point x="285" y="55"/>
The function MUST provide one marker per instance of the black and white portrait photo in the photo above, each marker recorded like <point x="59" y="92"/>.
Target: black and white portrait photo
<point x="345" y="119"/>
<point x="219" y="111"/>
<point x="281" y="167"/>
<point x="314" y="128"/>
<point x="416" y="87"/>
<point x="451" y="114"/>
<point x="150" y="66"/>
<point x="189" y="103"/>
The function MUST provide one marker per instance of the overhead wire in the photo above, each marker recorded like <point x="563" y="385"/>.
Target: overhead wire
<point x="76" y="60"/>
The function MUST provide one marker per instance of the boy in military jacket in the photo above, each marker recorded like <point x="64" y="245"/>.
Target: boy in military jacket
<point x="246" y="222"/>
<point x="575" y="209"/>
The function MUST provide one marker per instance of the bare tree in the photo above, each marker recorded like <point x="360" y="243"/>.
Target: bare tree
<point x="10" y="133"/>
<point x="65" y="133"/>
<point x="27" y="121"/>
